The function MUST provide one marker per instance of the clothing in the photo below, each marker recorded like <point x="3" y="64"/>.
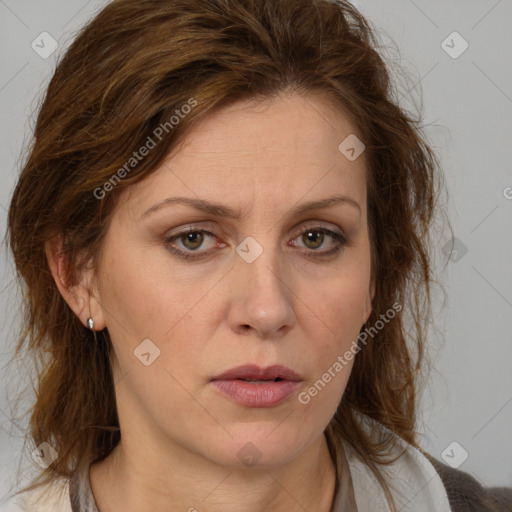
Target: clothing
<point x="467" y="495"/>
<point x="420" y="484"/>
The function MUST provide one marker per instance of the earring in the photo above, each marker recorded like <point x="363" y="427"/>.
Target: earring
<point x="90" y="323"/>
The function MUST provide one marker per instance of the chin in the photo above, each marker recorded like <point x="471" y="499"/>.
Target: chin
<point x="252" y="448"/>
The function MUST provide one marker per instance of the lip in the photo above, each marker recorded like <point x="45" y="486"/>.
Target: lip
<point x="253" y="371"/>
<point x="256" y="395"/>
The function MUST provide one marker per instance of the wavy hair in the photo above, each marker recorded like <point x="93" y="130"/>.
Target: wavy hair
<point x="126" y="73"/>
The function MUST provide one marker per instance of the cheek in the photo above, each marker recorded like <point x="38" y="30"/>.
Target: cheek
<point x="332" y="338"/>
<point x="147" y="298"/>
<point x="140" y="294"/>
<point x="340" y="301"/>
<point x="334" y="327"/>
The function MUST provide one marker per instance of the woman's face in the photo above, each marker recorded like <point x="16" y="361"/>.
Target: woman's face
<point x="264" y="286"/>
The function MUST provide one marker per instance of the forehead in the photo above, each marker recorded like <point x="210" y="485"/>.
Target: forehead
<point x="282" y="148"/>
<point x="300" y="124"/>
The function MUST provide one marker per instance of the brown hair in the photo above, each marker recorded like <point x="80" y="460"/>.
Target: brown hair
<point x="128" y="72"/>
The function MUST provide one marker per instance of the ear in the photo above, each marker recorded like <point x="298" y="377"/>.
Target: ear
<point x="82" y="297"/>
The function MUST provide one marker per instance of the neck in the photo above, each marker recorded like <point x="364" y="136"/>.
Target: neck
<point x="131" y="479"/>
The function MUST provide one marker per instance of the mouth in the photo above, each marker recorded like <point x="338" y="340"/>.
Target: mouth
<point x="252" y="386"/>
<point x="253" y="373"/>
<point x="260" y="381"/>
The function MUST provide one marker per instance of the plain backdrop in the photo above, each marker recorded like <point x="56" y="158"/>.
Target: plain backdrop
<point x="458" y="56"/>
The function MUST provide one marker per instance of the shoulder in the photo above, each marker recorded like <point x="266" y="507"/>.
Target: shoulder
<point x="466" y="494"/>
<point x="453" y="489"/>
<point x="412" y="480"/>
<point x="53" y="497"/>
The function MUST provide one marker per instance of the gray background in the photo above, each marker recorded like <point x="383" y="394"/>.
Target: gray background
<point x="467" y="115"/>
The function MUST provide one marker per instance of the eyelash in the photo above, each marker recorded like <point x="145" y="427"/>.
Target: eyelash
<point x="188" y="255"/>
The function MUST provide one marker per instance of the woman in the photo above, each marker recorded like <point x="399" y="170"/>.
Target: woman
<point x="222" y="228"/>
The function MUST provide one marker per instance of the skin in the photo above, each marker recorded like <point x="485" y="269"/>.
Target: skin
<point x="180" y="436"/>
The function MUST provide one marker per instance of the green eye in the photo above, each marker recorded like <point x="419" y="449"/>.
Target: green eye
<point x="193" y="239"/>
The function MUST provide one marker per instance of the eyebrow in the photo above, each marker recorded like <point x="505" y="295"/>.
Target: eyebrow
<point x="220" y="210"/>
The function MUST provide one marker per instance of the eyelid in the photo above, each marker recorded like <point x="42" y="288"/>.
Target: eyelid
<point x="318" y="225"/>
<point x="207" y="227"/>
<point x="192" y="229"/>
<point x="336" y="233"/>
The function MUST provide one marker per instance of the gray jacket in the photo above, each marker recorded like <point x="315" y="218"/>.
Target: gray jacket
<point x="466" y="494"/>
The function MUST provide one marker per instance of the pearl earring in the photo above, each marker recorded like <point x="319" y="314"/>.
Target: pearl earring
<point x="90" y="323"/>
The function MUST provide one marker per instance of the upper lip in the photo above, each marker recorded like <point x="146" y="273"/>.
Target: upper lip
<point x="254" y="372"/>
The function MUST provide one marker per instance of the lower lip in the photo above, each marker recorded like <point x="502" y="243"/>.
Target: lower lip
<point x="256" y="395"/>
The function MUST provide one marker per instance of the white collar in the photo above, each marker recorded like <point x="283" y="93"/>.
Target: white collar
<point x="413" y="480"/>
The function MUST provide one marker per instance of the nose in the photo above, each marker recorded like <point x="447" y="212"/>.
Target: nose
<point x="262" y="297"/>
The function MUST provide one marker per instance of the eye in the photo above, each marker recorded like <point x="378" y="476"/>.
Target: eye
<point x="313" y="238"/>
<point x="192" y="240"/>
